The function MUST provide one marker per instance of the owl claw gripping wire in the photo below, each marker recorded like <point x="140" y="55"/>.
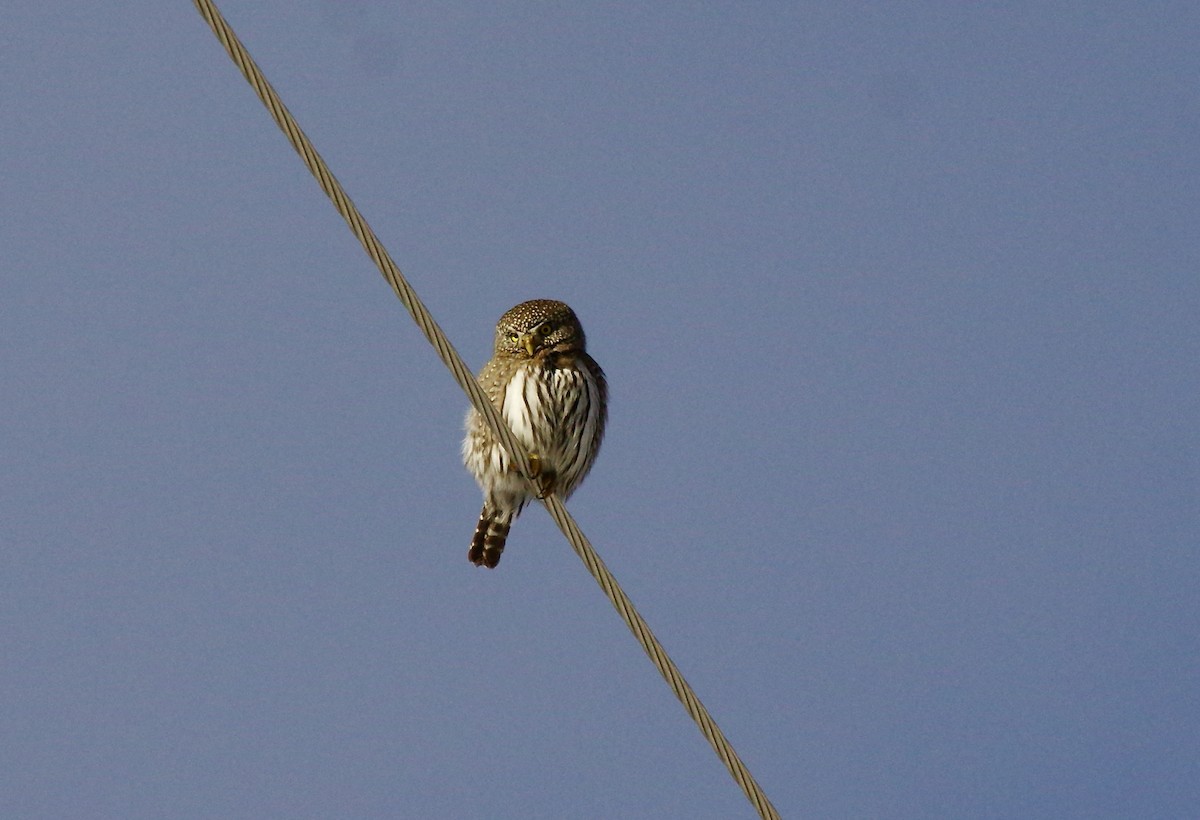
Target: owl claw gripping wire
<point x="544" y="479"/>
<point x="554" y="397"/>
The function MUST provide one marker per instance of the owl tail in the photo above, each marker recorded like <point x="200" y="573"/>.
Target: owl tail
<point x="490" y="535"/>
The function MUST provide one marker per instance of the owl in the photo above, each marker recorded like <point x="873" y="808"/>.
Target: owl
<point x="554" y="397"/>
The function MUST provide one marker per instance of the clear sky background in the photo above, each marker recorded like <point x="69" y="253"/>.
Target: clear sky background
<point x="899" y="305"/>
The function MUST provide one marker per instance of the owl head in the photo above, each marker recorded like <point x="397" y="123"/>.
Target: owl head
<point x="538" y="326"/>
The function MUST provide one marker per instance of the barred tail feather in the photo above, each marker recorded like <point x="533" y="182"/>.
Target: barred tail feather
<point x="490" y="534"/>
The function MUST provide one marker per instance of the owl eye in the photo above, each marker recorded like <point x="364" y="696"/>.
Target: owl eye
<point x="512" y="337"/>
<point x="546" y="329"/>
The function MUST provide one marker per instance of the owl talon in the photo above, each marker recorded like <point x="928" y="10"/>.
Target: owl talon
<point x="544" y="479"/>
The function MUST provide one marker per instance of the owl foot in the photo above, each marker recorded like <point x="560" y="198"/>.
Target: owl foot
<point x="543" y="478"/>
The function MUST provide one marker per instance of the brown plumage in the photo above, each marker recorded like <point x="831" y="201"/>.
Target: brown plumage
<point x="554" y="397"/>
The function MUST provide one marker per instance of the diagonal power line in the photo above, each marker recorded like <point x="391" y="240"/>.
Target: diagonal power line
<point x="466" y="380"/>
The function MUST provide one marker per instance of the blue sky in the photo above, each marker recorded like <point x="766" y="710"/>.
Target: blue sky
<point x="898" y="307"/>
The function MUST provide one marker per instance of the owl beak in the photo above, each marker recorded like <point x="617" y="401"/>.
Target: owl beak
<point x="527" y="341"/>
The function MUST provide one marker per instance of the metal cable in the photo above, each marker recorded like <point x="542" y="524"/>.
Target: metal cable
<point x="466" y="380"/>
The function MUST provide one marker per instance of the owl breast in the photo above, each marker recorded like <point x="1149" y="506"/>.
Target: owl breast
<point x="557" y="413"/>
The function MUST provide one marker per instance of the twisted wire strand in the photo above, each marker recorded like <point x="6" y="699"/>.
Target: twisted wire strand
<point x="466" y="380"/>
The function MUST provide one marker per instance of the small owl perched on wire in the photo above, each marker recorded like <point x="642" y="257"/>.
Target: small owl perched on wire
<point x="554" y="397"/>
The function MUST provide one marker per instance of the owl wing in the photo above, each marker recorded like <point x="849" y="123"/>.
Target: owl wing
<point x="602" y="387"/>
